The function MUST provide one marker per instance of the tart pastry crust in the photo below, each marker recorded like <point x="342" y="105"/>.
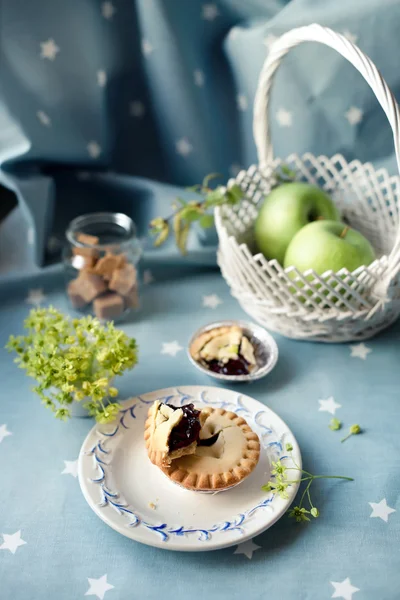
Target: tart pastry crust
<point x="161" y="420"/>
<point x="223" y="345"/>
<point x="201" y="466"/>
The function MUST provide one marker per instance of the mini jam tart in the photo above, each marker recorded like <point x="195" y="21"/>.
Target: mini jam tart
<point x="225" y="452"/>
<point x="171" y="432"/>
<point x="225" y="350"/>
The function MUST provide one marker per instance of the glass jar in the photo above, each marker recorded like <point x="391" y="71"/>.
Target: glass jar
<point x="100" y="260"/>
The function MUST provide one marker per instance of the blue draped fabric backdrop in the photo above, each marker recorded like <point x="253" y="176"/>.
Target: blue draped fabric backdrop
<point x="118" y="105"/>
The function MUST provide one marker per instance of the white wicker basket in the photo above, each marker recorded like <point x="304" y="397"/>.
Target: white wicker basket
<point x="335" y="307"/>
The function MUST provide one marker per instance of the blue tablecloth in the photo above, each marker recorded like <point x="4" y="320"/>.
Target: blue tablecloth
<point x="53" y="546"/>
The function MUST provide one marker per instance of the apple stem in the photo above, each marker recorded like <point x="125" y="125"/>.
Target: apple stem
<point x="320" y="218"/>
<point x="345" y="230"/>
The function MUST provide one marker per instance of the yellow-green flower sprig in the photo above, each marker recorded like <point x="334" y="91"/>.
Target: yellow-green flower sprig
<point x="280" y="482"/>
<point x="73" y="360"/>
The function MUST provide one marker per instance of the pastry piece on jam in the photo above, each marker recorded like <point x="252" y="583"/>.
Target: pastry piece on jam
<point x="171" y="432"/>
<point x="220" y="448"/>
<point x="224" y="350"/>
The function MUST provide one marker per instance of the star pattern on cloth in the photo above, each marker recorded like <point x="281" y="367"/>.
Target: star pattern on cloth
<point x="35" y="296"/>
<point x="247" y="548"/>
<point x="94" y="149"/>
<point x="71" y="468"/>
<point x="329" y="405"/>
<point x="108" y="10"/>
<point x="209" y="12"/>
<point x="354" y="115"/>
<point x="98" y="587"/>
<point x="12" y="542"/>
<point x="49" y="49"/>
<point x="269" y="40"/>
<point x="183" y="147"/>
<point x="171" y="348"/>
<point x="147" y="48"/>
<point x="352" y="37"/>
<point x="198" y="77"/>
<point x="242" y="102"/>
<point x="137" y="109"/>
<point x="381" y="510"/>
<point x="147" y="277"/>
<point x="360" y="351"/>
<point x="101" y="78"/>
<point x="284" y="117"/>
<point x="4" y="432"/>
<point x="344" y="589"/>
<point x="211" y="301"/>
<point x="43" y="118"/>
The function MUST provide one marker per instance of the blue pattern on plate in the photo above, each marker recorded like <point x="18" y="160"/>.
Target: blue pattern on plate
<point x="112" y="499"/>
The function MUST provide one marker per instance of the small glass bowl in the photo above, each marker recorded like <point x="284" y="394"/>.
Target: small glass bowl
<point x="265" y="349"/>
<point x="100" y="261"/>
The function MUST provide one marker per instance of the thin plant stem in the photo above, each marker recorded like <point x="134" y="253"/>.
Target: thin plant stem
<point x="305" y="491"/>
<point x="332" y="477"/>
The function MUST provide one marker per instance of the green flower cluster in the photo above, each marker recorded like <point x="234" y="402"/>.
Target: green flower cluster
<point x="280" y="482"/>
<point x="73" y="360"/>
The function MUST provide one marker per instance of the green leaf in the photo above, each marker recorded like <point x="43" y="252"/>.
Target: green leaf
<point x="214" y="198"/>
<point x="183" y="238"/>
<point x="234" y="194"/>
<point x="288" y="172"/>
<point x="206" y="221"/>
<point x="157" y="225"/>
<point x="289" y="447"/>
<point x="181" y="230"/>
<point x="190" y="213"/>
<point x="163" y="235"/>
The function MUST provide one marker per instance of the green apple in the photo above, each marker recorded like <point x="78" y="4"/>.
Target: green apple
<point x="285" y="211"/>
<point x="328" y="245"/>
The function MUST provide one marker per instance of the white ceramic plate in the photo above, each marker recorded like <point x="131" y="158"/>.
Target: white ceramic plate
<point x="136" y="499"/>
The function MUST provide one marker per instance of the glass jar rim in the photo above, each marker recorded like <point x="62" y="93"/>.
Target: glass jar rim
<point x="78" y="224"/>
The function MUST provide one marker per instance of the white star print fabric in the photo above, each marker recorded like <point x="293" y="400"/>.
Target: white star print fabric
<point x="45" y="523"/>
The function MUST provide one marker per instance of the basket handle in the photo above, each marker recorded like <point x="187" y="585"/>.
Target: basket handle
<point x="323" y="35"/>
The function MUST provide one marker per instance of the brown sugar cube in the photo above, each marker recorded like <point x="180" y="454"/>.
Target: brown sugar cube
<point x="90" y="285"/>
<point x="74" y="294"/>
<point x="90" y="240"/>
<point x="120" y="258"/>
<point x="107" y="307"/>
<point x="123" y="280"/>
<point x="132" y="298"/>
<point x="85" y="238"/>
<point x="108" y="264"/>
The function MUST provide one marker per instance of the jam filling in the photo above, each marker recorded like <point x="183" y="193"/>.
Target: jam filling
<point x="209" y="441"/>
<point x="236" y="366"/>
<point x="188" y="429"/>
